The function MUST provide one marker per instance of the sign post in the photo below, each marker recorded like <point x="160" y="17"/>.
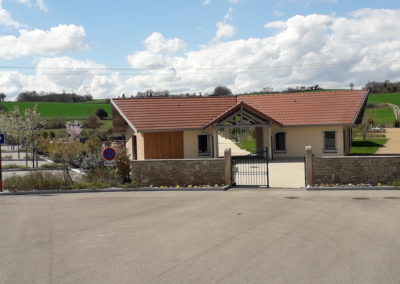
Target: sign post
<point x="109" y="155"/>
<point x="2" y="142"/>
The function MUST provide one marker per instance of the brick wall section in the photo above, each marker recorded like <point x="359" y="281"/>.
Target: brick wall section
<point x="356" y="169"/>
<point x="179" y="172"/>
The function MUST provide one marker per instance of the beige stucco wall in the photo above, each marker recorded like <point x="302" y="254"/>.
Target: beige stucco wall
<point x="299" y="137"/>
<point x="296" y="140"/>
<point x="128" y="135"/>
<point x="139" y="144"/>
<point x="190" y="146"/>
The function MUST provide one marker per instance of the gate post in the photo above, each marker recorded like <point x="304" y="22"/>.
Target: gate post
<point x="228" y="166"/>
<point x="308" y="165"/>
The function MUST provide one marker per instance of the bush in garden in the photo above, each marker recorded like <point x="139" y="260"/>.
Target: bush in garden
<point x="35" y="181"/>
<point x="123" y="165"/>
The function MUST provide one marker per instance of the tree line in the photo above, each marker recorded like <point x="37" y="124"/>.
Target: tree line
<point x="33" y="96"/>
<point x="383" y="87"/>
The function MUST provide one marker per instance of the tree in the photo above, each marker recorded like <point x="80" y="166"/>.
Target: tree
<point x="101" y="113"/>
<point x="93" y="122"/>
<point x="351" y="85"/>
<point x="2" y="97"/>
<point x="64" y="152"/>
<point x="74" y="128"/>
<point x="221" y="91"/>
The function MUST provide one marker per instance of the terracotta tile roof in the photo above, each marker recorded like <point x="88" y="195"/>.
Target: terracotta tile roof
<point x="316" y="108"/>
<point x="310" y="108"/>
<point x="173" y="113"/>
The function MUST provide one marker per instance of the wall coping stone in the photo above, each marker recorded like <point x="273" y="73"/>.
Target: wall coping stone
<point x="182" y="160"/>
<point x="357" y="157"/>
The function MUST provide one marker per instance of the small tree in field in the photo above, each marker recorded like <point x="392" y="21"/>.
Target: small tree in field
<point x="93" y="122"/>
<point x="64" y="152"/>
<point x="101" y="113"/>
<point x="74" y="128"/>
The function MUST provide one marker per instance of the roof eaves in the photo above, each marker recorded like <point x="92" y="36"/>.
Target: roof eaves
<point x="123" y="116"/>
<point x="361" y="107"/>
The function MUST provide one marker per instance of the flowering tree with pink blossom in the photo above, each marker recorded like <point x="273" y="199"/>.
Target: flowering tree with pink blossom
<point x="74" y="128"/>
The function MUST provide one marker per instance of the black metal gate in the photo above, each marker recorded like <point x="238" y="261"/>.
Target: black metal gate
<point x="251" y="170"/>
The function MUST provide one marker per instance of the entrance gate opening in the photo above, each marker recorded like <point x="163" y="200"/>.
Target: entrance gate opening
<point x="251" y="170"/>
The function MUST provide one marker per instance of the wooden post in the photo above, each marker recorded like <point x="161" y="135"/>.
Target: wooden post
<point x="228" y="166"/>
<point x="308" y="165"/>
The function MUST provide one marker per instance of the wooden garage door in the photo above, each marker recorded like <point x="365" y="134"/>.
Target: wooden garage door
<point x="163" y="145"/>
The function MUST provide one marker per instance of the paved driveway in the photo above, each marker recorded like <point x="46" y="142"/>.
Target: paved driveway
<point x="392" y="146"/>
<point x="201" y="237"/>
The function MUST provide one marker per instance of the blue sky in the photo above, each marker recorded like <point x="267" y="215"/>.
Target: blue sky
<point x="195" y="45"/>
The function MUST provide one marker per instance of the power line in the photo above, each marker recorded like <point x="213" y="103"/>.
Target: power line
<point x="218" y="70"/>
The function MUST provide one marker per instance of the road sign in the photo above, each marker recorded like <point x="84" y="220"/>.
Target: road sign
<point x="109" y="154"/>
<point x="2" y="139"/>
<point x="109" y="163"/>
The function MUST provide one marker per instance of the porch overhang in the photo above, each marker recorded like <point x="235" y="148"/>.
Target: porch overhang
<point x="242" y="116"/>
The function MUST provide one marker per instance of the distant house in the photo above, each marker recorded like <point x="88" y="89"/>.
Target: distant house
<point x="187" y="127"/>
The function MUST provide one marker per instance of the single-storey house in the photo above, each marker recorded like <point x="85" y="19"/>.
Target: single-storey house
<point x="188" y="127"/>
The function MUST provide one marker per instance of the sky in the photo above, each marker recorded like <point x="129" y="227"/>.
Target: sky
<point x="107" y="48"/>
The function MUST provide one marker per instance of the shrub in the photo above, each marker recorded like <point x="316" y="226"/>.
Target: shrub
<point x="34" y="181"/>
<point x="51" y="166"/>
<point x="101" y="113"/>
<point x="14" y="166"/>
<point x="123" y="165"/>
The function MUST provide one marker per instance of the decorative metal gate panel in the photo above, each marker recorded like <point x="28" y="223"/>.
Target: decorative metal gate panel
<point x="251" y="170"/>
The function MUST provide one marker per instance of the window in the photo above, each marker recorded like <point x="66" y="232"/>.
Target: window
<point x="203" y="148"/>
<point x="280" y="142"/>
<point x="330" y="141"/>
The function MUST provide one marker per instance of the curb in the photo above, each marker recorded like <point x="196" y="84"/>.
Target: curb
<point x="353" y="188"/>
<point x="139" y="189"/>
<point x="31" y="170"/>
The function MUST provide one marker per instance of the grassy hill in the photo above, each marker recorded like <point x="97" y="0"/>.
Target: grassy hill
<point x="381" y="113"/>
<point x="384" y="98"/>
<point x="63" y="110"/>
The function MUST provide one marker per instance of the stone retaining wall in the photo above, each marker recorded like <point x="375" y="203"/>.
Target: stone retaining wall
<point x="179" y="172"/>
<point x="355" y="169"/>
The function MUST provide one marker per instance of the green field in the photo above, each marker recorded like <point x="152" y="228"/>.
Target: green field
<point x="384" y="98"/>
<point x="367" y="147"/>
<point x="63" y="110"/>
<point x="381" y="115"/>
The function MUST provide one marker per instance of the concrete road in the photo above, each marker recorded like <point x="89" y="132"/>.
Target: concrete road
<point x="201" y="237"/>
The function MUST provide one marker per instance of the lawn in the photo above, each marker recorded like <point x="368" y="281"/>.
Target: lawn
<point x="381" y="115"/>
<point x="62" y="110"/>
<point x="367" y="147"/>
<point x="384" y="98"/>
<point x="248" y="145"/>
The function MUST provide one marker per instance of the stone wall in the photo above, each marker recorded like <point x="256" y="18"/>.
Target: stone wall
<point x="355" y="169"/>
<point x="179" y="172"/>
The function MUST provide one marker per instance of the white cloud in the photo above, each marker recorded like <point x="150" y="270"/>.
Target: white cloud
<point x="63" y="74"/>
<point x="59" y="39"/>
<point x="314" y="49"/>
<point x="224" y="28"/>
<point x="206" y="2"/>
<point x="6" y="19"/>
<point x="156" y="42"/>
<point x="329" y="50"/>
<point x="277" y="13"/>
<point x="41" y="5"/>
